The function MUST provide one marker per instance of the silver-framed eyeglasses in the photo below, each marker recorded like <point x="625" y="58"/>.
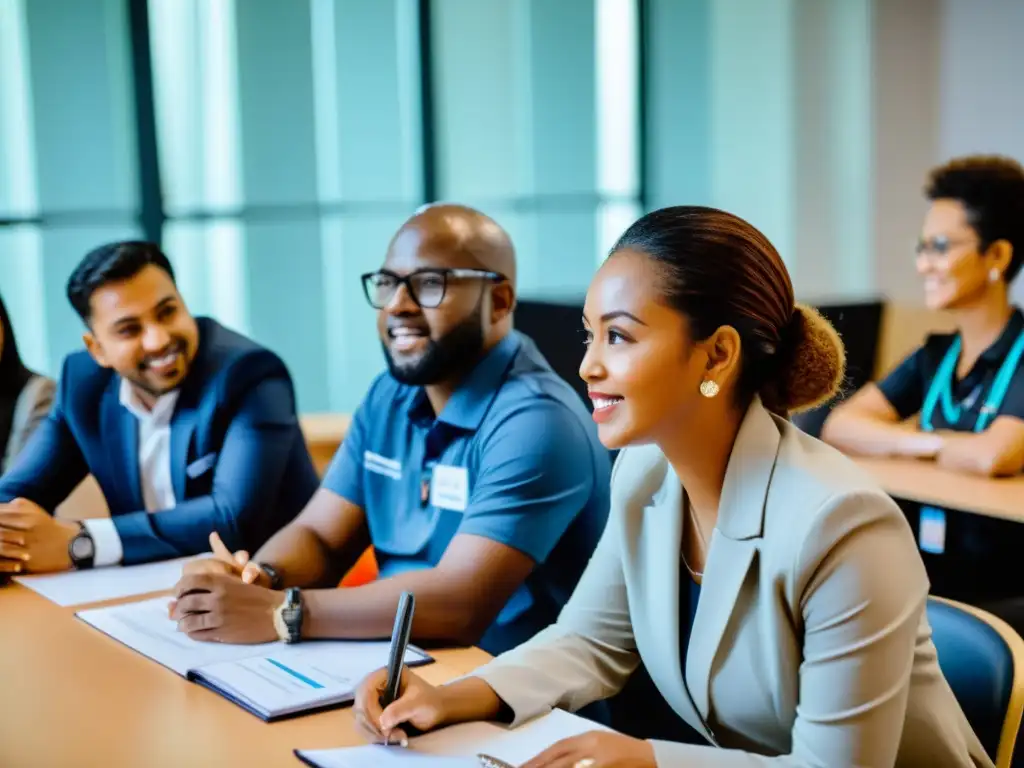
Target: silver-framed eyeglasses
<point x="426" y="287"/>
<point x="940" y="247"/>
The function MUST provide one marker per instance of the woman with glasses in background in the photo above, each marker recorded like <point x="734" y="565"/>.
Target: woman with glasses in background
<point x="966" y="389"/>
<point x="25" y="397"/>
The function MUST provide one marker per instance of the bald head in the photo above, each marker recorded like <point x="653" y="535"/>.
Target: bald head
<point x="455" y="236"/>
<point x="445" y="295"/>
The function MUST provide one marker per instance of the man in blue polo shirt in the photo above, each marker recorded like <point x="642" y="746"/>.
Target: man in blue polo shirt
<point x="473" y="470"/>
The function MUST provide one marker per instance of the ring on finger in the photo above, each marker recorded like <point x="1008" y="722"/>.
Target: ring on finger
<point x="586" y="762"/>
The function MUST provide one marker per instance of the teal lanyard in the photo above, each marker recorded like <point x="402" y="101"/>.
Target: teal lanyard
<point x="941" y="389"/>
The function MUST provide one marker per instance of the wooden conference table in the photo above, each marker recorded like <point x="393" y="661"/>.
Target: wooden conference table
<point x="919" y="481"/>
<point x="925" y="483"/>
<point x="71" y="696"/>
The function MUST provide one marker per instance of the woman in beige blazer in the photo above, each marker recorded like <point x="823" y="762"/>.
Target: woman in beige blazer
<point x="25" y="397"/>
<point x="773" y="591"/>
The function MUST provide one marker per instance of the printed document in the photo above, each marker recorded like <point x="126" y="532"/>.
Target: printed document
<point x="272" y="680"/>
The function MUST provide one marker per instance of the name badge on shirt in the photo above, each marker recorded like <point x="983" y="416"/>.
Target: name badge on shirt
<point x="382" y="465"/>
<point x="932" y="531"/>
<point x="449" y="488"/>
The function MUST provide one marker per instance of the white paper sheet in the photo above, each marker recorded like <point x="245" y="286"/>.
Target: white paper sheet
<point x="459" y="745"/>
<point x="97" y="584"/>
<point x="145" y="627"/>
<point x="382" y="757"/>
<point x="272" y="679"/>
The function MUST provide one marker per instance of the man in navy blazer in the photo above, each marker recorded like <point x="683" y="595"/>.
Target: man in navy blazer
<point x="188" y="427"/>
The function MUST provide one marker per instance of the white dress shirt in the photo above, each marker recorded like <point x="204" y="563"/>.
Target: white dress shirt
<point x="154" y="469"/>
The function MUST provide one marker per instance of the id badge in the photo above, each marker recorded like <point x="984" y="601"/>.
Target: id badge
<point x="931" y="536"/>
<point x="449" y="488"/>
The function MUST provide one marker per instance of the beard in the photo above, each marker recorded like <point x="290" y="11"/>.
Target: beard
<point x="443" y="359"/>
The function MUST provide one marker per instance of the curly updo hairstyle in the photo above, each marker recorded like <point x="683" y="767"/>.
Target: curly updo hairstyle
<point x="719" y="270"/>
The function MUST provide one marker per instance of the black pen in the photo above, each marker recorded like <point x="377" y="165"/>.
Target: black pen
<point x="399" y="644"/>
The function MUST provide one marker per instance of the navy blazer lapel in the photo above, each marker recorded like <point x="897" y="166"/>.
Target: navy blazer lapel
<point x="734" y="543"/>
<point x="183" y="426"/>
<point x="121" y="435"/>
<point x="187" y="411"/>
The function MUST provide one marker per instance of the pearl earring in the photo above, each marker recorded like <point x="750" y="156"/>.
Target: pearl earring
<point x="708" y="388"/>
<point x="993" y="276"/>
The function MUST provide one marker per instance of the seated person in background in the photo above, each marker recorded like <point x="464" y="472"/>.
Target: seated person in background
<point x="771" y="589"/>
<point x="187" y="427"/>
<point x="966" y="388"/>
<point x="25" y="397"/>
<point x="472" y="469"/>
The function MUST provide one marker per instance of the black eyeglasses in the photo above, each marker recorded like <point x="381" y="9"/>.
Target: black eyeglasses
<point x="426" y="286"/>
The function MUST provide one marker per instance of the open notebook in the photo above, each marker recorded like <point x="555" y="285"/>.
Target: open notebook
<point x="459" y="745"/>
<point x="272" y="681"/>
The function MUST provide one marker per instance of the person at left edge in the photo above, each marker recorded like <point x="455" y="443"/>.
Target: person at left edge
<point x="188" y="427"/>
<point x="473" y="470"/>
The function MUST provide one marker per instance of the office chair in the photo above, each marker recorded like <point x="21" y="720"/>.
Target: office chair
<point x="982" y="658"/>
<point x="859" y="324"/>
<point x="556" y="329"/>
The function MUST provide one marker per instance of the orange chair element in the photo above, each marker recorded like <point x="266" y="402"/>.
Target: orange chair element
<point x="363" y="572"/>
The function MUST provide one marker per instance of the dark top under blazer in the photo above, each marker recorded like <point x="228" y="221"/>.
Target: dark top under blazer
<point x="239" y="462"/>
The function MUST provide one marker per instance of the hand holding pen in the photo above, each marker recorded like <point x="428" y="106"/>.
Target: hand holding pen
<point x="394" y="696"/>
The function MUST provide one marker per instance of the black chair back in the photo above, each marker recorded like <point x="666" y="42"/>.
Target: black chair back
<point x="556" y="329"/>
<point x="859" y="326"/>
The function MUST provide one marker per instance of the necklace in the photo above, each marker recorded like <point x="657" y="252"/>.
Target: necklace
<point x="695" y="575"/>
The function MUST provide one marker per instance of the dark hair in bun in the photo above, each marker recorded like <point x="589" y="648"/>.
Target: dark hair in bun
<point x="720" y="270"/>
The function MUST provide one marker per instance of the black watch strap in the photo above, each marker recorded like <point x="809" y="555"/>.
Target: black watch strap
<point x="272" y="574"/>
<point x="82" y="549"/>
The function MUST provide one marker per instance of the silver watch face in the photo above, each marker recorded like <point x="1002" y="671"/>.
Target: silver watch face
<point x="82" y="547"/>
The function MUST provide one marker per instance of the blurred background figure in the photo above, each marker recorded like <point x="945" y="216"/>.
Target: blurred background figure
<point x="25" y="397"/>
<point x="959" y="398"/>
<point x="967" y="387"/>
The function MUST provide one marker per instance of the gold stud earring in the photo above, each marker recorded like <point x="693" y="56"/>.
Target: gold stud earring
<point x="708" y="388"/>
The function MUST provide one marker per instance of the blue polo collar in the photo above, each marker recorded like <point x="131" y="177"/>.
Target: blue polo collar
<point x="469" y="403"/>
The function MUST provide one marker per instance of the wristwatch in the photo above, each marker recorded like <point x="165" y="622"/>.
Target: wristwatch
<point x="82" y="549"/>
<point x="288" y="616"/>
<point x="272" y="574"/>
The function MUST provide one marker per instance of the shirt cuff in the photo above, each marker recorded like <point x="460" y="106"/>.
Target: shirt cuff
<point x="106" y="542"/>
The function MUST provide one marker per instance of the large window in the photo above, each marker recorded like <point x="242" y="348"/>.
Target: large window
<point x="617" y="69"/>
<point x="273" y="148"/>
<point x="538" y="124"/>
<point x="67" y="158"/>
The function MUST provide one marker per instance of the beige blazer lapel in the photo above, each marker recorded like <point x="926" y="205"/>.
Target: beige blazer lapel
<point x="659" y="558"/>
<point x="734" y="543"/>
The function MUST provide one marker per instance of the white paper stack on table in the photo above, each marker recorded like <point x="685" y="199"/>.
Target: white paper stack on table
<point x="272" y="681"/>
<point x="98" y="584"/>
<point x="459" y="745"/>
